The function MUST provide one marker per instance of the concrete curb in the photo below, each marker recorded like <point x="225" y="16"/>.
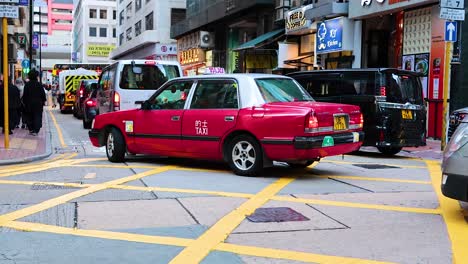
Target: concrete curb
<point x="48" y="148"/>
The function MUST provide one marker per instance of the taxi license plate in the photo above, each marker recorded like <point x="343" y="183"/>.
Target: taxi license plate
<point x="339" y="123"/>
<point x="406" y="114"/>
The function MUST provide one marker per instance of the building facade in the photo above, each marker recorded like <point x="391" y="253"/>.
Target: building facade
<point x="143" y="29"/>
<point x="228" y="36"/>
<point x="94" y="30"/>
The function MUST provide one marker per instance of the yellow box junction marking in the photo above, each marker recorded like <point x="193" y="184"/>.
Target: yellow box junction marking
<point x="360" y="178"/>
<point x="73" y="195"/>
<point x="218" y="233"/>
<point x="453" y="216"/>
<point x="388" y="164"/>
<point x="183" y="242"/>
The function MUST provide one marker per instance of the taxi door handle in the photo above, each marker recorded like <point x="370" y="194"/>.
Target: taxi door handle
<point x="175" y="118"/>
<point x="229" y="118"/>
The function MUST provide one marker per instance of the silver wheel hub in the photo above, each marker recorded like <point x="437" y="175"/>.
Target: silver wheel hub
<point x="243" y="155"/>
<point x="110" y="144"/>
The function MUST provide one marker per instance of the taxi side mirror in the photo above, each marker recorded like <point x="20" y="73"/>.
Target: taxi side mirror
<point x="145" y="105"/>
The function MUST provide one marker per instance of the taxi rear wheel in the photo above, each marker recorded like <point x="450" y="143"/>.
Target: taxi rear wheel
<point x="389" y="150"/>
<point x="115" y="146"/>
<point x="245" y="156"/>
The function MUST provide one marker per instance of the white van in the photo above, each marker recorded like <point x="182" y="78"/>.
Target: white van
<point x="125" y="82"/>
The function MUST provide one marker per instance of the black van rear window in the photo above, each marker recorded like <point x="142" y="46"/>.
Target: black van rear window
<point x="152" y="76"/>
<point x="401" y="88"/>
<point x="339" y="84"/>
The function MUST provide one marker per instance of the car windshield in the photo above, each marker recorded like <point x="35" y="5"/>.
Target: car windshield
<point x="403" y="89"/>
<point x="152" y="76"/>
<point x="282" y="90"/>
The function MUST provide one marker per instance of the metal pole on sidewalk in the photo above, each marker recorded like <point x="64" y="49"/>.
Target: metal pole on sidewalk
<point x="6" y="124"/>
<point x="448" y="58"/>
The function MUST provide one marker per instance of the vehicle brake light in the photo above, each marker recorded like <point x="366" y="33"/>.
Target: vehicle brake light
<point x="116" y="101"/>
<point x="81" y="93"/>
<point x="461" y="116"/>
<point x="383" y="91"/>
<point x="312" y="123"/>
<point x="91" y="103"/>
<point x="150" y="62"/>
<point x="361" y="120"/>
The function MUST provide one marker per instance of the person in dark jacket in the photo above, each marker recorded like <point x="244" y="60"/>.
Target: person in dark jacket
<point x="14" y="103"/>
<point x="33" y="99"/>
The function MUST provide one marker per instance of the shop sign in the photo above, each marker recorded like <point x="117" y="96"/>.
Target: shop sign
<point x="452" y="3"/>
<point x="452" y="14"/>
<point x="369" y="2"/>
<point x="329" y="37"/>
<point x="296" y="22"/>
<point x="9" y="11"/>
<point x="166" y="49"/>
<point x="190" y="56"/>
<point x="99" y="50"/>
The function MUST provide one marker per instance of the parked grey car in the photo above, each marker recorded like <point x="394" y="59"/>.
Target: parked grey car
<point x="455" y="164"/>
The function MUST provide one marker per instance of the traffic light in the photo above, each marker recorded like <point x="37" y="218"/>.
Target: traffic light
<point x="26" y="70"/>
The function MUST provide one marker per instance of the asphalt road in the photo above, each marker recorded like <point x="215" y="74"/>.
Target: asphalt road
<point x="76" y="207"/>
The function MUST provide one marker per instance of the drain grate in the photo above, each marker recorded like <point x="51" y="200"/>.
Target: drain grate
<point x="276" y="214"/>
<point x="69" y="149"/>
<point x="376" y="166"/>
<point x="42" y="187"/>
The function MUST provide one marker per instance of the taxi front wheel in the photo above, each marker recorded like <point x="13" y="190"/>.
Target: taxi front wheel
<point x="245" y="156"/>
<point x="115" y="146"/>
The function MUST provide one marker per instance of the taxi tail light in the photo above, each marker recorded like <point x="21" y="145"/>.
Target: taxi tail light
<point x="91" y="103"/>
<point x="383" y="91"/>
<point x="81" y="93"/>
<point x="356" y="120"/>
<point x="361" y="120"/>
<point x="311" y="124"/>
<point x="116" y="101"/>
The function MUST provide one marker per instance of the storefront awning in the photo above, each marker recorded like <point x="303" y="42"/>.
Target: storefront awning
<point x="298" y="60"/>
<point x="259" y="40"/>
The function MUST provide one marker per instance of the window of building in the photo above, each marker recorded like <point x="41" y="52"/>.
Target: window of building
<point x="114" y="14"/>
<point x="114" y="32"/>
<point x="121" y="18"/>
<point x="129" y="34"/>
<point x="121" y="39"/>
<point x="129" y="10"/>
<point x="103" y="14"/>
<point x="149" y="21"/>
<point x="92" y="31"/>
<point x="92" y="13"/>
<point x="137" y="5"/>
<point x="138" y="28"/>
<point x="177" y="15"/>
<point x="103" y="32"/>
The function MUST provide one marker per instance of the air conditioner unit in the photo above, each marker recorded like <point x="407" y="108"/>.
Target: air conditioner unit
<point x="206" y="39"/>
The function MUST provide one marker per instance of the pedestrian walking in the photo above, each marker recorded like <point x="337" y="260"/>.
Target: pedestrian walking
<point x="20" y="84"/>
<point x="54" y="93"/>
<point x="14" y="104"/>
<point x="34" y="98"/>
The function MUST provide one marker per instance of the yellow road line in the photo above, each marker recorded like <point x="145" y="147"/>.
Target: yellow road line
<point x="216" y="234"/>
<point x="35" y="168"/>
<point x="394" y="165"/>
<point x="292" y="255"/>
<point x="73" y="195"/>
<point x="191" y="191"/>
<point x="76" y="185"/>
<point x="162" y="240"/>
<point x="110" y="166"/>
<point x="59" y="131"/>
<point x="360" y="178"/>
<point x="15" y="168"/>
<point x="358" y="205"/>
<point x="183" y="242"/>
<point x="453" y="216"/>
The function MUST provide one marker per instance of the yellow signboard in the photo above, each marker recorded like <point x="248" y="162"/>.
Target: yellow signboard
<point x="100" y="50"/>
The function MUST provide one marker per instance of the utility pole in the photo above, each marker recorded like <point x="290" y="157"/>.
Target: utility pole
<point x="6" y="124"/>
<point x="31" y="31"/>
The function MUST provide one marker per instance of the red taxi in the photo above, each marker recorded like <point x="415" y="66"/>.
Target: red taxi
<point x="247" y="120"/>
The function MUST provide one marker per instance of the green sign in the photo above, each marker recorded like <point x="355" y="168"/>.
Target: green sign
<point x="328" y="141"/>
<point x="21" y="39"/>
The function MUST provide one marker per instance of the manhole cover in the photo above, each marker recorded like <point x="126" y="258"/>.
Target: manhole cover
<point x="42" y="187"/>
<point x="276" y="214"/>
<point x="376" y="166"/>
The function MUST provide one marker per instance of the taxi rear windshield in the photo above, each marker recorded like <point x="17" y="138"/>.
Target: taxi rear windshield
<point x="403" y="88"/>
<point x="281" y="90"/>
<point x="150" y="78"/>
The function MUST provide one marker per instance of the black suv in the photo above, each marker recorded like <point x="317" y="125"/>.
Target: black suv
<point x="391" y="101"/>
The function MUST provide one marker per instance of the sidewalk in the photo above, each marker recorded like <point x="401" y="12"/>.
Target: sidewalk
<point x="430" y="151"/>
<point x="24" y="147"/>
